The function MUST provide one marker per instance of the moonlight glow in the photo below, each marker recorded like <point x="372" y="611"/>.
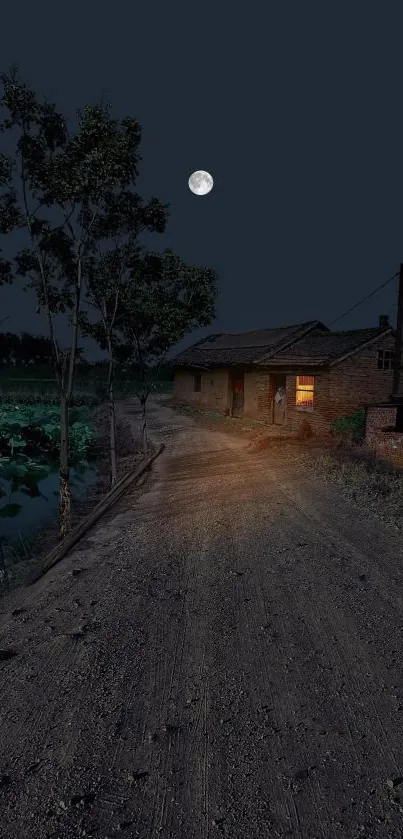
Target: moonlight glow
<point x="201" y="182"/>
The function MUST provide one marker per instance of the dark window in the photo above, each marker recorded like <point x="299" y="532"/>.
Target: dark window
<point x="399" y="418"/>
<point x="197" y="382"/>
<point x="386" y="360"/>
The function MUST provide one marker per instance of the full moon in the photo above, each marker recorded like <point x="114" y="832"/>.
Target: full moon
<point x="201" y="182"/>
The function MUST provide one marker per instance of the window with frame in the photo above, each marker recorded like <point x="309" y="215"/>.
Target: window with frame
<point x="386" y="360"/>
<point x="304" y="391"/>
<point x="197" y="382"/>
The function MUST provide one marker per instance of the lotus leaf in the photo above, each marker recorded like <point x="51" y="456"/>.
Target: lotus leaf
<point x="10" y="510"/>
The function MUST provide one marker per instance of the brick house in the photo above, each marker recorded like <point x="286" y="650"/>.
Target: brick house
<point x="296" y="375"/>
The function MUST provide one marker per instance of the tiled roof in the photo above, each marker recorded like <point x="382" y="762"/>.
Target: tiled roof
<point x="242" y="347"/>
<point x="325" y="347"/>
<point x="309" y="342"/>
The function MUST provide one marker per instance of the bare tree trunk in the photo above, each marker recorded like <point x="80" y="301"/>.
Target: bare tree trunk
<point x="112" y="436"/>
<point x="65" y="399"/>
<point x="65" y="491"/>
<point x="112" y="418"/>
<point x="74" y="333"/>
<point x="144" y="440"/>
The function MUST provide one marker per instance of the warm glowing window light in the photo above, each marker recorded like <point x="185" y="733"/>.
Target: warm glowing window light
<point x="304" y="391"/>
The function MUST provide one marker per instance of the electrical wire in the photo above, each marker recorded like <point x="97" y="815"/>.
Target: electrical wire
<point x="371" y="294"/>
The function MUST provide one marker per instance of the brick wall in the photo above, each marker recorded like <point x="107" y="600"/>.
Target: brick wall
<point x="316" y="418"/>
<point x="360" y="375"/>
<point x="259" y="392"/>
<point x="343" y="389"/>
<point x="339" y="391"/>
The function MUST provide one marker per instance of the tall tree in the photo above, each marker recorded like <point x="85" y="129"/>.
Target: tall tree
<point x="66" y="183"/>
<point x="107" y="273"/>
<point x="10" y="216"/>
<point x="165" y="299"/>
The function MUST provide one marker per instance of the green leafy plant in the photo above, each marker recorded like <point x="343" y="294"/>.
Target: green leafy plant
<point x="350" y="427"/>
<point x="10" y="510"/>
<point x="71" y="187"/>
<point x="36" y="429"/>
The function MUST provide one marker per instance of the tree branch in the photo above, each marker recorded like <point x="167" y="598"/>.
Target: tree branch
<point x="55" y="349"/>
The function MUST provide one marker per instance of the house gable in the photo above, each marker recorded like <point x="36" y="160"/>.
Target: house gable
<point x="320" y="348"/>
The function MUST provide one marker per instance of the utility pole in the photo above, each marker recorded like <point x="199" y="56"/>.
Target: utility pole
<point x="398" y="344"/>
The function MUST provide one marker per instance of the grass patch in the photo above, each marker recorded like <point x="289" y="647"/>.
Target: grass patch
<point x="375" y="484"/>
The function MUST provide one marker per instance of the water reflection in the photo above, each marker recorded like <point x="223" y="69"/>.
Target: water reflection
<point x="29" y="494"/>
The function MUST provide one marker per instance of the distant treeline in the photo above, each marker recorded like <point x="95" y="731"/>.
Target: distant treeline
<point x="24" y="349"/>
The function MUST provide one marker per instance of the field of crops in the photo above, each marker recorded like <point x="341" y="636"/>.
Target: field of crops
<point x="87" y="391"/>
<point x="29" y="471"/>
<point x="29" y="450"/>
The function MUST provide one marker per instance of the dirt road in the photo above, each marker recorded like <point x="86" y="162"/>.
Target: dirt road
<point x="222" y="657"/>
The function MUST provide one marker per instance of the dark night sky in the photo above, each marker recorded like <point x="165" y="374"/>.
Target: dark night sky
<point x="295" y="109"/>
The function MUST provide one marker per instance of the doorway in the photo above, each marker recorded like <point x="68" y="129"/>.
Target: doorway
<point x="279" y="399"/>
<point x="237" y="394"/>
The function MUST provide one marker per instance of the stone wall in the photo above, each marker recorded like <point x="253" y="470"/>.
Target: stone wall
<point x="380" y="435"/>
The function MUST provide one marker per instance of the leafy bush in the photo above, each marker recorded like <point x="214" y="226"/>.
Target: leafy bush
<point x="350" y="427"/>
<point x="36" y="429"/>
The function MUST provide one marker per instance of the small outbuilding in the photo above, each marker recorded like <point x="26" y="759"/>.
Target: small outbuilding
<point x="384" y="429"/>
<point x="288" y="376"/>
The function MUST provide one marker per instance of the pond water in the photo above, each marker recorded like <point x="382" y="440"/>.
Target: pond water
<point x="30" y="503"/>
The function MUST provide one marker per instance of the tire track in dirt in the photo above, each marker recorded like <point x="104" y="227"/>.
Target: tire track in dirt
<point x="216" y="623"/>
<point x="339" y="716"/>
<point x="63" y="655"/>
<point x="323" y="821"/>
<point x="257" y="617"/>
<point x="231" y="659"/>
<point x="187" y="675"/>
<point x="260" y="674"/>
<point x="322" y="620"/>
<point x="357" y="666"/>
<point x="177" y="658"/>
<point x="360" y="536"/>
<point x="332" y="592"/>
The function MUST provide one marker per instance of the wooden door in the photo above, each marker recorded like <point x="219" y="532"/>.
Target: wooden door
<point x="237" y="396"/>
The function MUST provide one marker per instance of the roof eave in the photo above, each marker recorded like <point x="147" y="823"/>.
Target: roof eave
<point x="188" y="365"/>
<point x="286" y="362"/>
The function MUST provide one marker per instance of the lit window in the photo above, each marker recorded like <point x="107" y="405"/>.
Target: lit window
<point x="197" y="382"/>
<point x="304" y="391"/>
<point x="386" y="360"/>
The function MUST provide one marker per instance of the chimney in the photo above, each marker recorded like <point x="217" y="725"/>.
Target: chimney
<point x="383" y="321"/>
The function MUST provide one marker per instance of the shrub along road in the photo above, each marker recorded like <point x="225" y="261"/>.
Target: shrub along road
<point x="222" y="656"/>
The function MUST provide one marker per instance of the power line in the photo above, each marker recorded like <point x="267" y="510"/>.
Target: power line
<point x="371" y="294"/>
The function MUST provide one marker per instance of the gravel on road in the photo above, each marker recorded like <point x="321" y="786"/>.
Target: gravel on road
<point x="221" y="656"/>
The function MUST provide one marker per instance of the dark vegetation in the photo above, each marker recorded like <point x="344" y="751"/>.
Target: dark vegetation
<point x="70" y="190"/>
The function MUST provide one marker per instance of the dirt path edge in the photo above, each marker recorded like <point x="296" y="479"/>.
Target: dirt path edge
<point x="60" y="551"/>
